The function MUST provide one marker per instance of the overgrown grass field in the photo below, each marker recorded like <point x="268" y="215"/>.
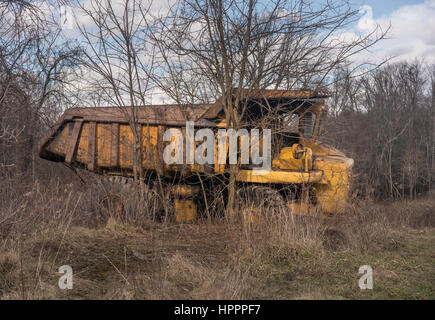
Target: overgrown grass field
<point x="282" y="256"/>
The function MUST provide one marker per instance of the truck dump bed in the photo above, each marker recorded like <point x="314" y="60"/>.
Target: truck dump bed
<point x="101" y="138"/>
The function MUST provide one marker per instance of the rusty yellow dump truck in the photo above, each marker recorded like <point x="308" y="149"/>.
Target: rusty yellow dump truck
<point x="304" y="172"/>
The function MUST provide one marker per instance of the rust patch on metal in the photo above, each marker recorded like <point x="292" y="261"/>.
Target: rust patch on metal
<point x="160" y="167"/>
<point x="73" y="141"/>
<point x="91" y="145"/>
<point x="114" y="145"/>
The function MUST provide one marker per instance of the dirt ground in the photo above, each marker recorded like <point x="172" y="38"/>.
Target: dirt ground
<point x="170" y="261"/>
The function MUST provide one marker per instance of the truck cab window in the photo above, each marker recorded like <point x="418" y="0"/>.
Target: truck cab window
<point x="291" y="123"/>
<point x="309" y="120"/>
<point x="321" y="130"/>
<point x="285" y="132"/>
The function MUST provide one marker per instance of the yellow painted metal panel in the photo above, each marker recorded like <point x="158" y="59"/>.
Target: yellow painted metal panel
<point x="149" y="147"/>
<point x="73" y="141"/>
<point x="332" y="191"/>
<point x="114" y="145"/>
<point x="185" y="210"/>
<point x="60" y="142"/>
<point x="126" y="147"/>
<point x="280" y="176"/>
<point x="103" y="144"/>
<point x="82" y="149"/>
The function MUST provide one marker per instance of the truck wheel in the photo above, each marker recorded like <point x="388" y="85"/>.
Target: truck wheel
<point x="113" y="191"/>
<point x="113" y="207"/>
<point x="260" y="197"/>
<point x="334" y="239"/>
<point x="119" y="184"/>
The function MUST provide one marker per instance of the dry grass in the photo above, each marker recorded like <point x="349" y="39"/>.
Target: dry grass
<point x="281" y="256"/>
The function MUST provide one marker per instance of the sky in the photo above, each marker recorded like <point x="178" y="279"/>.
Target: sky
<point x="384" y="7"/>
<point x="412" y="33"/>
<point x="411" y="36"/>
<point x="411" y="23"/>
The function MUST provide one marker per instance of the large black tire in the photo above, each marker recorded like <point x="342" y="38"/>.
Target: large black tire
<point x="260" y="196"/>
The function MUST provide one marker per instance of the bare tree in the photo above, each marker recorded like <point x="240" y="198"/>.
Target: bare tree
<point x="121" y="61"/>
<point x="431" y="145"/>
<point x="249" y="44"/>
<point x="384" y="120"/>
<point x="34" y="56"/>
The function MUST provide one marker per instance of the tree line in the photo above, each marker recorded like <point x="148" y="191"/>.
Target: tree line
<point x="385" y="121"/>
<point x="199" y="50"/>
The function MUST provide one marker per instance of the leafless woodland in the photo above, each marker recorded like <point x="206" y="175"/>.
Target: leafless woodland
<point x="381" y="114"/>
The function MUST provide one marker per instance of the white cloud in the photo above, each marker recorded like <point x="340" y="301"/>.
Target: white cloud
<point x="412" y="33"/>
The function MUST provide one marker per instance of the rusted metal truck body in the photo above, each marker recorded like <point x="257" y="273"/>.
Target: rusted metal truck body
<point x="102" y="140"/>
